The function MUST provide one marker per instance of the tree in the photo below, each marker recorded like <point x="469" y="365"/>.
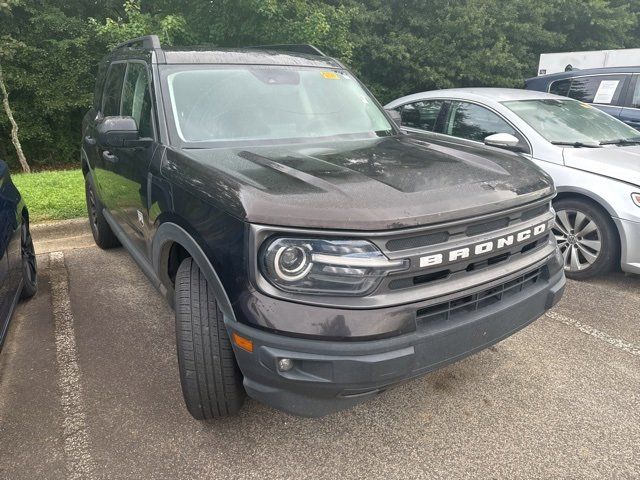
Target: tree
<point x="240" y="23"/>
<point x="396" y="47"/>
<point x="7" y="49"/>
<point x="405" y="46"/>
<point x="134" y="23"/>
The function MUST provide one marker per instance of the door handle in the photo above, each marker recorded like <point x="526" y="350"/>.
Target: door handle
<point x="109" y="157"/>
<point x="89" y="140"/>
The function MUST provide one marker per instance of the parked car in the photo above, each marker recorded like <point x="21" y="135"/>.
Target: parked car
<point x="592" y="157"/>
<point x="18" y="266"/>
<point x="314" y="255"/>
<point x="614" y="90"/>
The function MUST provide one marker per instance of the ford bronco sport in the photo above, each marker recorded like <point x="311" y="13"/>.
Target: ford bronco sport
<point x="314" y="255"/>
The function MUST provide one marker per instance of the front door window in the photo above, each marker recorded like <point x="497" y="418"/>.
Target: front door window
<point x="473" y="122"/>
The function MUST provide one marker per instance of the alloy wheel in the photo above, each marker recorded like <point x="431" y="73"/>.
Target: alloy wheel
<point x="579" y="239"/>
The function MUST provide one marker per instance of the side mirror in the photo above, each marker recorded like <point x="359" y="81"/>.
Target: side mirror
<point x="117" y="132"/>
<point x="395" y="116"/>
<point x="503" y="140"/>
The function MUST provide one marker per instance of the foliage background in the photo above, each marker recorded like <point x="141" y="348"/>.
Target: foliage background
<point x="49" y="49"/>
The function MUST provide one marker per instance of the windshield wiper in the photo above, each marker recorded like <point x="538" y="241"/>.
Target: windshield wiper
<point x="621" y="141"/>
<point x="578" y="144"/>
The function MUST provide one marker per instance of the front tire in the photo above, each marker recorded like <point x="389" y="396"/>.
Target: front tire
<point x="210" y="377"/>
<point x="102" y="233"/>
<point x="29" y="263"/>
<point x="587" y="238"/>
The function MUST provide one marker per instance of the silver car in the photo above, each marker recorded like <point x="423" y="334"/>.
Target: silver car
<point x="593" y="158"/>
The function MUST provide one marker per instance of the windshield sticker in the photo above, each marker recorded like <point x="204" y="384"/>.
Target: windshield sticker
<point x="330" y="75"/>
<point x="606" y="90"/>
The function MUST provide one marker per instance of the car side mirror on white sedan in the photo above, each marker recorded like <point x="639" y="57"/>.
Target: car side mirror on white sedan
<point x="503" y="140"/>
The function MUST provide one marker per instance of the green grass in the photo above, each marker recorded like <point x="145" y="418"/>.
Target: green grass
<point x="55" y="195"/>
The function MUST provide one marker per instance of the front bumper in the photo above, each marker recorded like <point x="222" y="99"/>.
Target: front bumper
<point x="331" y="375"/>
<point x="630" y="245"/>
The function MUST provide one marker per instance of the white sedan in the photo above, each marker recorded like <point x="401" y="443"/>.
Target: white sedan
<point x="593" y="158"/>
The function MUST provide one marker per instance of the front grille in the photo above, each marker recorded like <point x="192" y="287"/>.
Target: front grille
<point x="471" y="303"/>
<point x="468" y="230"/>
<point x="534" y="212"/>
<point x="444" y="274"/>
<point x="487" y="227"/>
<point x="417" y="241"/>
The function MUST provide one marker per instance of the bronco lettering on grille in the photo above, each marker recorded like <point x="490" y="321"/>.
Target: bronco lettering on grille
<point x="483" y="248"/>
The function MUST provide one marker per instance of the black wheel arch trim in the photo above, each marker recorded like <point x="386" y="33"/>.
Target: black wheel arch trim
<point x="169" y="233"/>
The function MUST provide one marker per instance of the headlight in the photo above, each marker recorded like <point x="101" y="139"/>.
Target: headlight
<point x="325" y="267"/>
<point x="636" y="198"/>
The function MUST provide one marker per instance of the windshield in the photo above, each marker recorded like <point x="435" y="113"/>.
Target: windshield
<point x="571" y="122"/>
<point x="258" y="103"/>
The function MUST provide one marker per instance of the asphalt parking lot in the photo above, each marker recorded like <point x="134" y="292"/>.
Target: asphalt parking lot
<point x="89" y="389"/>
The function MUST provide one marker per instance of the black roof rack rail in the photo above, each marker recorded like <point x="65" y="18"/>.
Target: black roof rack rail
<point x="151" y="42"/>
<point x="293" y="48"/>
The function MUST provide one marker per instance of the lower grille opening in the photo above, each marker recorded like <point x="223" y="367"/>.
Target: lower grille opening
<point x="532" y="245"/>
<point x="491" y="261"/>
<point x="505" y="256"/>
<point x="482" y="299"/>
<point x="419" y="279"/>
<point x="430" y="277"/>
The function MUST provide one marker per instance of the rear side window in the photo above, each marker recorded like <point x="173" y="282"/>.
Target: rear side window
<point x="422" y="115"/>
<point x="560" y="87"/>
<point x="136" y="98"/>
<point x="473" y="122"/>
<point x="603" y="89"/>
<point x="635" y="98"/>
<point x="113" y="90"/>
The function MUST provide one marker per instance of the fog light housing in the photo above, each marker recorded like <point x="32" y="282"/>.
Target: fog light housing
<point x="285" y="364"/>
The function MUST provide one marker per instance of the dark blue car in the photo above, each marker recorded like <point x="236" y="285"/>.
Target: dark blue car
<point x="615" y="90"/>
<point x="18" y="269"/>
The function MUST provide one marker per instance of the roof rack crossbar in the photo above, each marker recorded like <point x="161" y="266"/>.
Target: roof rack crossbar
<point x="151" y="42"/>
<point x="293" y="48"/>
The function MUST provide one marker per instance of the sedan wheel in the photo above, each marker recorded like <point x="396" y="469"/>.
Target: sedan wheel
<point x="586" y="238"/>
<point x="579" y="239"/>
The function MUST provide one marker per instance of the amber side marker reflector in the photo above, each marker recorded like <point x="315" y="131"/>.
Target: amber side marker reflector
<point x="243" y="343"/>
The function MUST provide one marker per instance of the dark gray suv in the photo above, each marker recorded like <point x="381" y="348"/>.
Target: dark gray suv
<point x="315" y="255"/>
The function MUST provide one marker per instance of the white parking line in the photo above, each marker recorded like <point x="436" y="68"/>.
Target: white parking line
<point x="594" y="332"/>
<point x="76" y="444"/>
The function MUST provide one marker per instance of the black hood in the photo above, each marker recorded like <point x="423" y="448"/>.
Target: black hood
<point x="374" y="184"/>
